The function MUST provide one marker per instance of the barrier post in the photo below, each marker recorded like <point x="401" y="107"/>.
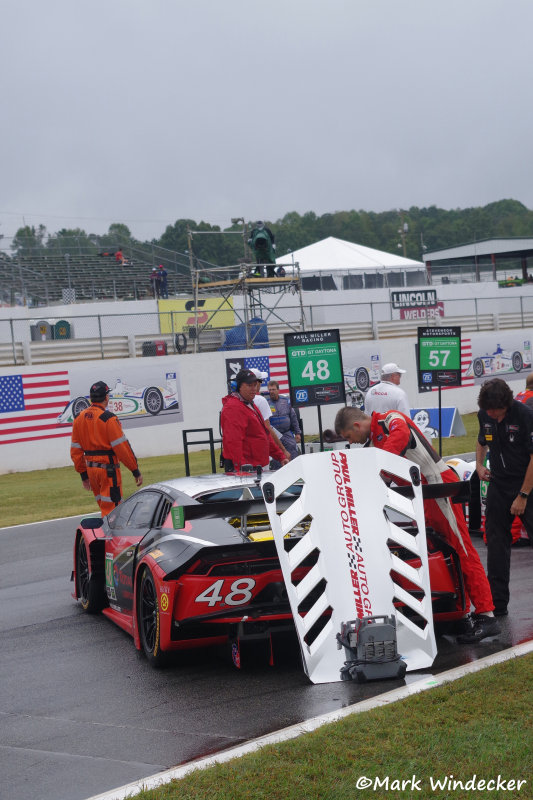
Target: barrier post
<point x="210" y="441"/>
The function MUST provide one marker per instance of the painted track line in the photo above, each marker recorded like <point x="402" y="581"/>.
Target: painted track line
<point x="47" y="521"/>
<point x="428" y="682"/>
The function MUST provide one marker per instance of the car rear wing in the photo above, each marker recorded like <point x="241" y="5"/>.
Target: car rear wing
<point x="459" y="493"/>
<point x="354" y="530"/>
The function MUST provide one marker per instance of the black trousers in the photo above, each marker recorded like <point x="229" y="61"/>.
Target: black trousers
<point x="498" y="530"/>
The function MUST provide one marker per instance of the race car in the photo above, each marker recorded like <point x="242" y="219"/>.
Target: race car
<point x="128" y="401"/>
<point x="192" y="562"/>
<point x="500" y="361"/>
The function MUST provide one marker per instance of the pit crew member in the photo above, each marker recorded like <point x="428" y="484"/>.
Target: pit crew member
<point x="388" y="394"/>
<point x="396" y="433"/>
<point x="506" y="429"/>
<point x="245" y="438"/>
<point x="98" y="446"/>
<point x="284" y="419"/>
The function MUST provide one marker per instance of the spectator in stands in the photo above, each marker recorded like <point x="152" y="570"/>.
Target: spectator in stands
<point x="119" y="257"/>
<point x="155" y="283"/>
<point x="163" y="277"/>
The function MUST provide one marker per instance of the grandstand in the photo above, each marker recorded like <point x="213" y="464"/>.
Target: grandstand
<point x="42" y="277"/>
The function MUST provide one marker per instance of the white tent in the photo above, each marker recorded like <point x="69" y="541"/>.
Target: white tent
<point x="353" y="265"/>
<point x="333" y="254"/>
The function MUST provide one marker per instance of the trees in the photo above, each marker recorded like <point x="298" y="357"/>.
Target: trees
<point x="439" y="228"/>
<point x="29" y="241"/>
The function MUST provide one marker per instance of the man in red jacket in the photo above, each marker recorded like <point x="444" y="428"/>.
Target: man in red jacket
<point x="396" y="433"/>
<point x="245" y="438"/>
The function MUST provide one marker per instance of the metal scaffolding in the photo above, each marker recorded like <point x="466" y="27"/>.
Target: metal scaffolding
<point x="227" y="282"/>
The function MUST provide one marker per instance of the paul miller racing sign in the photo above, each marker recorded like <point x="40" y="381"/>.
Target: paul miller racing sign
<point x="352" y="538"/>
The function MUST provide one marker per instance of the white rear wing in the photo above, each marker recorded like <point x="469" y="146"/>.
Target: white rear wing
<point x="346" y="510"/>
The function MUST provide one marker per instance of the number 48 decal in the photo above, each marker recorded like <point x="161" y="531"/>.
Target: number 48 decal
<point x="238" y="595"/>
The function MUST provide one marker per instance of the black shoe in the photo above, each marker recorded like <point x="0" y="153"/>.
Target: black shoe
<point x="480" y="627"/>
<point x="501" y="611"/>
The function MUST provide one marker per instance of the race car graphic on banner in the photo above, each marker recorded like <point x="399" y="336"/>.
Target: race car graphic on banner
<point x="362" y="369"/>
<point x="511" y="358"/>
<point x="135" y="398"/>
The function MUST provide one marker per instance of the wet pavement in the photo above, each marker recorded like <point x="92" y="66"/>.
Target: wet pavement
<point x="82" y="712"/>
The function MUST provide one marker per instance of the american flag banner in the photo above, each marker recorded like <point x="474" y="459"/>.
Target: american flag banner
<point x="274" y="366"/>
<point x="30" y="405"/>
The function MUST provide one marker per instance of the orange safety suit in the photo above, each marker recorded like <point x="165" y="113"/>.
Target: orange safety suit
<point x="97" y="448"/>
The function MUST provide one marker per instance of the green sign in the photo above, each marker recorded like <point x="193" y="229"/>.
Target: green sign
<point x="314" y="365"/>
<point x="439" y="357"/>
<point x="178" y="517"/>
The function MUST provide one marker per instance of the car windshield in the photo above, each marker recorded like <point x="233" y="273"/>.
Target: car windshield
<point x="245" y="493"/>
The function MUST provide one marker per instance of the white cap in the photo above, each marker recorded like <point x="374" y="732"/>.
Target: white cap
<point x="261" y="376"/>
<point x="391" y="368"/>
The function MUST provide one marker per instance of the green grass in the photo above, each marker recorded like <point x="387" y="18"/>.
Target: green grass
<point x="477" y="725"/>
<point x="47" y="494"/>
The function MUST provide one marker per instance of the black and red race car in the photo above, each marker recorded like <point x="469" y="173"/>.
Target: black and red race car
<point x="213" y="576"/>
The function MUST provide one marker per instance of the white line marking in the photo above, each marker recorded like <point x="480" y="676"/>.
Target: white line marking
<point x="428" y="682"/>
<point x="45" y="521"/>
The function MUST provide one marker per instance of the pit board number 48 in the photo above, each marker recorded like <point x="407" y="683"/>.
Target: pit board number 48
<point x="322" y="370"/>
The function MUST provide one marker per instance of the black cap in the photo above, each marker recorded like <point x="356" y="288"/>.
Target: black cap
<point x="245" y="376"/>
<point x="99" y="391"/>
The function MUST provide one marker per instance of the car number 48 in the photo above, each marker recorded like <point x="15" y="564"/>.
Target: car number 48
<point x="240" y="593"/>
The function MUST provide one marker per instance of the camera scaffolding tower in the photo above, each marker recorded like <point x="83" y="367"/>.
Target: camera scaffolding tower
<point x="228" y="282"/>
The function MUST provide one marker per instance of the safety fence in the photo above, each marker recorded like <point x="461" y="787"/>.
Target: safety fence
<point x="105" y="336"/>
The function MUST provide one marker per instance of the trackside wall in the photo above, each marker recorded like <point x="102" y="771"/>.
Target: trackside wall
<point x="202" y="383"/>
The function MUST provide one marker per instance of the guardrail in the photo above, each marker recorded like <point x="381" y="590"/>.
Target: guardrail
<point x="135" y="345"/>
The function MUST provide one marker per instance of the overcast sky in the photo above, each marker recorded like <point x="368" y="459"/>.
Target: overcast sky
<point x="147" y="111"/>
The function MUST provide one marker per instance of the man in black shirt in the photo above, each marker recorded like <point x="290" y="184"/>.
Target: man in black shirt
<point x="506" y="430"/>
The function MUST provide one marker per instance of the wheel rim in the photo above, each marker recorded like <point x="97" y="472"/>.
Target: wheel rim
<point x="152" y="401"/>
<point x="79" y="406"/>
<point x="83" y="572"/>
<point x="362" y="379"/>
<point x="149" y="613"/>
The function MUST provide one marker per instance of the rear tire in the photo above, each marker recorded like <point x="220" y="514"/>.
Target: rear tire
<point x="90" y="592"/>
<point x="517" y="361"/>
<point x="79" y="405"/>
<point x="153" y="400"/>
<point x="478" y="368"/>
<point x="362" y="379"/>
<point x="150" y="621"/>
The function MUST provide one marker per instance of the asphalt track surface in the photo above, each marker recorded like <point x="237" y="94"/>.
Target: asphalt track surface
<point x="82" y="712"/>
